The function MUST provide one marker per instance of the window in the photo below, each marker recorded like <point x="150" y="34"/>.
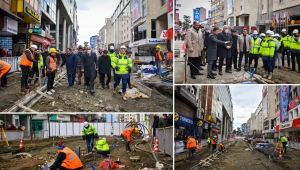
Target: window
<point x="163" y="2"/>
<point x="281" y="1"/>
<point x="241" y="7"/>
<point x="153" y="29"/>
<point x="262" y="6"/>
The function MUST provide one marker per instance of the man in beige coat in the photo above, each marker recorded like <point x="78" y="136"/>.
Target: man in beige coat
<point x="195" y="46"/>
<point x="244" y="45"/>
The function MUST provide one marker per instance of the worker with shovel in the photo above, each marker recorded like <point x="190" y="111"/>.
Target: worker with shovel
<point x="88" y="133"/>
<point x="126" y="135"/>
<point x="66" y="159"/>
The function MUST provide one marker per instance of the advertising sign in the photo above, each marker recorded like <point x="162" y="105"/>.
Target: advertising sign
<point x="34" y="31"/>
<point x="243" y="127"/>
<point x="176" y="18"/>
<point x="182" y="119"/>
<point x="229" y="7"/>
<point x="196" y="15"/>
<point x="136" y="9"/>
<point x="163" y="34"/>
<point x="170" y="5"/>
<point x="92" y="42"/>
<point x="10" y="25"/>
<point x="265" y="107"/>
<point x="284" y="103"/>
<point x="294" y="102"/>
<point x="287" y="125"/>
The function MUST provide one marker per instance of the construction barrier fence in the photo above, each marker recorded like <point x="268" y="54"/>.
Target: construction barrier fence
<point x="165" y="140"/>
<point x="13" y="61"/>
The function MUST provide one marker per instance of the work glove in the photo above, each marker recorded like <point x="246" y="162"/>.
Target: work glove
<point x="117" y="68"/>
<point x="83" y="137"/>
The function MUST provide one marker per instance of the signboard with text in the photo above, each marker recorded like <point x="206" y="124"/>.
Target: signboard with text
<point x="136" y="9"/>
<point x="196" y="15"/>
<point x="185" y="120"/>
<point x="294" y="102"/>
<point x="284" y="103"/>
<point x="34" y="31"/>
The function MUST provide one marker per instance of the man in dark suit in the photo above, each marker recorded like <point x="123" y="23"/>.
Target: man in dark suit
<point x="89" y="66"/>
<point x="224" y="51"/>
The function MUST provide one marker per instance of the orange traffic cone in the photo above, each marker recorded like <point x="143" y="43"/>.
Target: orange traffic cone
<point x="155" y="148"/>
<point x="21" y="144"/>
<point x="280" y="155"/>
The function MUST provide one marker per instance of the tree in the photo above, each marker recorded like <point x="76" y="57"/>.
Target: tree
<point x="234" y="131"/>
<point x="187" y="22"/>
<point x="85" y="43"/>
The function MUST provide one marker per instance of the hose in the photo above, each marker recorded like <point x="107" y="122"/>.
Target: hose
<point x="142" y="129"/>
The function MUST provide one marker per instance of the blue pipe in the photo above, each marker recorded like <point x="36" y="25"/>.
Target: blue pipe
<point x="46" y="166"/>
<point x="93" y="167"/>
<point x="251" y="71"/>
<point x="108" y="163"/>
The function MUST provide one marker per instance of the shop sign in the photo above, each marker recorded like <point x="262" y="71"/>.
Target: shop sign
<point x="60" y="117"/>
<point x="287" y="125"/>
<point x="40" y="117"/>
<point x="34" y="31"/>
<point x="10" y="25"/>
<point x="32" y="13"/>
<point x="200" y="123"/>
<point x="294" y="102"/>
<point x="155" y="41"/>
<point x="182" y="119"/>
<point x="39" y="39"/>
<point x="296" y="122"/>
<point x="188" y="95"/>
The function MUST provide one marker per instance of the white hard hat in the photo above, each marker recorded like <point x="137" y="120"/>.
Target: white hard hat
<point x="295" y="31"/>
<point x="112" y="47"/>
<point x="255" y="32"/>
<point x="85" y="124"/>
<point x="123" y="46"/>
<point x="276" y="35"/>
<point x="283" y="30"/>
<point x="262" y="34"/>
<point x="34" y="46"/>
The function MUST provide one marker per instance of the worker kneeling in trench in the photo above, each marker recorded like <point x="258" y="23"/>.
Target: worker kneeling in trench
<point x="66" y="159"/>
<point x="101" y="146"/>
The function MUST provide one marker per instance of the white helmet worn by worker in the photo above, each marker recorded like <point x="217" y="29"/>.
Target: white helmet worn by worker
<point x="276" y="35"/>
<point x="262" y="34"/>
<point x="283" y="30"/>
<point x="85" y="124"/>
<point x="255" y="32"/>
<point x="112" y="47"/>
<point x="295" y="31"/>
<point x="34" y="46"/>
<point x="122" y="47"/>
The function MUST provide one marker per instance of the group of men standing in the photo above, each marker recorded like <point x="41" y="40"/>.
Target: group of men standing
<point x="204" y="44"/>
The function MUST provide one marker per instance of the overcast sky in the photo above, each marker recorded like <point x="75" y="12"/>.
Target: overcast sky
<point x="245" y="100"/>
<point x="91" y="16"/>
<point x="187" y="7"/>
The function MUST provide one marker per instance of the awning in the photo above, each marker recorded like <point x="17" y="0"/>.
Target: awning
<point x="9" y="14"/>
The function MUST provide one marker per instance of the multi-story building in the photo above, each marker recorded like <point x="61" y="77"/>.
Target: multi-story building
<point x="257" y="125"/>
<point x="109" y="33"/>
<point x="217" y="13"/>
<point x="102" y="37"/>
<point x="269" y="111"/>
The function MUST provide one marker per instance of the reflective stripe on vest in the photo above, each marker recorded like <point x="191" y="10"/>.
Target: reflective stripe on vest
<point x="268" y="47"/>
<point x="24" y="60"/>
<point x="286" y="40"/>
<point x="255" y="45"/>
<point x="122" y="63"/>
<point x="294" y="45"/>
<point x="72" y="161"/>
<point x="52" y="64"/>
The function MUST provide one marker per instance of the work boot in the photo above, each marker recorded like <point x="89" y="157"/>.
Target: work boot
<point x="130" y="86"/>
<point x="220" y="72"/>
<point x="114" y="91"/>
<point x="103" y="87"/>
<point x="23" y="90"/>
<point x="92" y="91"/>
<point x="193" y="76"/>
<point x="107" y="86"/>
<point x="125" y="99"/>
<point x="265" y="74"/>
<point x="28" y="87"/>
<point x="270" y="76"/>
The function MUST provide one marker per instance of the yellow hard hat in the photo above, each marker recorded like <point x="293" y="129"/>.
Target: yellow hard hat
<point x="52" y="50"/>
<point x="157" y="47"/>
<point x="136" y="130"/>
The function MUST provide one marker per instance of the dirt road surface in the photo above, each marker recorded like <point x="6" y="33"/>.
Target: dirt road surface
<point x="43" y="150"/>
<point x="79" y="99"/>
<point x="236" y="158"/>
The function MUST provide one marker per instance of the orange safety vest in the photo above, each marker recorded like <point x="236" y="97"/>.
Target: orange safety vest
<point x="213" y="142"/>
<point x="127" y="132"/>
<point x="52" y="65"/>
<point x="170" y="55"/>
<point x="4" y="67"/>
<point x="24" y="61"/>
<point x="72" y="161"/>
<point x="191" y="143"/>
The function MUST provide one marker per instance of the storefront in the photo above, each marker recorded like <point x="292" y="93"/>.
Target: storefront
<point x="10" y="28"/>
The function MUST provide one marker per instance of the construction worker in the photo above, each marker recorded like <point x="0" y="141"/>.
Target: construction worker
<point x="295" y="50"/>
<point x="101" y="146"/>
<point x="284" y="141"/>
<point x="214" y="144"/>
<point x="66" y="159"/>
<point x="268" y="47"/>
<point x="4" y="69"/>
<point x="191" y="146"/>
<point x="208" y="142"/>
<point x="51" y="68"/>
<point x="285" y="42"/>
<point x="254" y="51"/>
<point x="121" y="64"/>
<point x="88" y="133"/>
<point x="126" y="135"/>
<point x="25" y="63"/>
<point x="35" y="68"/>
<point x="221" y="146"/>
<point x="112" y="52"/>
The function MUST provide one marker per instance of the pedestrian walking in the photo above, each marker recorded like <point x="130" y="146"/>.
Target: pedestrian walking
<point x="191" y="146"/>
<point x="51" y="68"/>
<point x="285" y="40"/>
<point x="25" y="63"/>
<point x="88" y="133"/>
<point x="244" y="45"/>
<point x="126" y="135"/>
<point x="224" y="50"/>
<point x="211" y="52"/>
<point x="45" y="54"/>
<point x="295" y="50"/>
<point x="104" y="66"/>
<point x="268" y="48"/>
<point x="121" y="64"/>
<point x="129" y="54"/>
<point x="159" y="58"/>
<point x="71" y="64"/>
<point x="214" y="144"/>
<point x="233" y="48"/>
<point x="4" y="70"/>
<point x="89" y="68"/>
<point x="277" y="56"/>
<point x="78" y="66"/>
<point x="208" y="141"/>
<point x="66" y="159"/>
<point x="195" y="44"/>
<point x="35" y="68"/>
<point x="254" y="50"/>
<point x="284" y="141"/>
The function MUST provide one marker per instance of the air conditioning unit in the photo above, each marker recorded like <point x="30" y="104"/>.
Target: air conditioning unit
<point x="198" y="114"/>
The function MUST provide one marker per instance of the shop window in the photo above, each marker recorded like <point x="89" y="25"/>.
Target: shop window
<point x="153" y="29"/>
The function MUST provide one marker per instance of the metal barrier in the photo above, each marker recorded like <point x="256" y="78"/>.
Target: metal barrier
<point x="17" y="135"/>
<point x="13" y="61"/>
<point x="165" y="140"/>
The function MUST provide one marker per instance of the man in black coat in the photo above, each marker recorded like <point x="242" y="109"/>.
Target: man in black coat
<point x="89" y="66"/>
<point x="104" y="69"/>
<point x="234" y="51"/>
<point x="45" y="54"/>
<point x="155" y="124"/>
<point x="224" y="51"/>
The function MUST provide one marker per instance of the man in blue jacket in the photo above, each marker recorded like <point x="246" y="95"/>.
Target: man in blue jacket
<point x="71" y="63"/>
